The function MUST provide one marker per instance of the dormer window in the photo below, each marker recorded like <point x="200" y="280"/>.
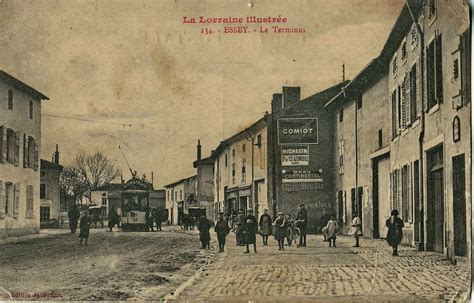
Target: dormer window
<point x="404" y="51"/>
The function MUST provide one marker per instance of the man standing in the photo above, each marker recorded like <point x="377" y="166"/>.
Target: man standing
<point x="302" y="224"/>
<point x="222" y="229"/>
<point x="148" y="219"/>
<point x="204" y="235"/>
<point x="158" y="219"/>
<point x="113" y="218"/>
<point x="73" y="215"/>
<point x="250" y="229"/>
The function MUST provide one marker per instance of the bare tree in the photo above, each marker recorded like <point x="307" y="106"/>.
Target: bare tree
<point x="72" y="184"/>
<point x="96" y="170"/>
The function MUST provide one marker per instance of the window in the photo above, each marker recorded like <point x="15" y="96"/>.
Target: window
<point x="10" y="99"/>
<point x="405" y="197"/>
<point x="394" y="114"/>
<point x="10" y="146"/>
<point x="244" y="177"/>
<point x="233" y="152"/>
<point x="341" y="157"/>
<point x="181" y="195"/>
<point x="466" y="66"/>
<point x="104" y="199"/>
<point x="31" y="152"/>
<point x="380" y="138"/>
<point x="29" y="201"/>
<point x="9" y="196"/>
<point x="225" y="160"/>
<point x="233" y="173"/>
<point x="413" y="94"/>
<point x="359" y="101"/>
<point x="434" y="72"/>
<point x="243" y="147"/>
<point x="341" y="115"/>
<point x="404" y="51"/>
<point x="45" y="214"/>
<point x="404" y="104"/>
<point x="42" y="191"/>
<point x="31" y="110"/>
<point x="394" y="65"/>
<point x="399" y="109"/>
<point x="259" y="140"/>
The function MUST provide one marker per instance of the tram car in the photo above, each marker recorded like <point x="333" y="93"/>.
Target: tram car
<point x="135" y="202"/>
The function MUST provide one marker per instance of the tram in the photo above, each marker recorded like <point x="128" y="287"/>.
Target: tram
<point x="135" y="201"/>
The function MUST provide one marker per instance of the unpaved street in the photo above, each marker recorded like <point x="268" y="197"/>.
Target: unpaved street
<point x="114" y="266"/>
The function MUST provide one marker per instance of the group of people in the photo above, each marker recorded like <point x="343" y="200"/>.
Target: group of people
<point x="152" y="217"/>
<point x="247" y="227"/>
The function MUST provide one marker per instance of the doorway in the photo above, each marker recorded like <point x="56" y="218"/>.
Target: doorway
<point x="459" y="206"/>
<point x="381" y="197"/>
<point x="435" y="199"/>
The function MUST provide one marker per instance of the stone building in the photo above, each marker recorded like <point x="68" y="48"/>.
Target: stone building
<point x="181" y="199"/>
<point x="20" y="142"/>
<point x="204" y="183"/>
<point x="50" y="193"/>
<point x="419" y="86"/>
<point x="240" y="171"/>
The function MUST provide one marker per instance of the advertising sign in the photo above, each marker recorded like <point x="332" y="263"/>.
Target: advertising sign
<point x="297" y="131"/>
<point x="301" y="176"/>
<point x="295" y="155"/>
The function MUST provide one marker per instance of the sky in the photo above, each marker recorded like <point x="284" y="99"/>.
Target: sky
<point x="132" y="74"/>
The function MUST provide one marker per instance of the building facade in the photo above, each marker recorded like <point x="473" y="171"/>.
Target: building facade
<point x="403" y="131"/>
<point x="181" y="200"/>
<point x="20" y="142"/>
<point x="204" y="183"/>
<point x="50" y="193"/>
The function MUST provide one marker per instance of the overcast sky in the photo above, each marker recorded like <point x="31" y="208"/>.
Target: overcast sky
<point x="136" y="63"/>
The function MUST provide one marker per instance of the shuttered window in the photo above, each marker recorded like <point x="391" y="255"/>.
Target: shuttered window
<point x="16" y="200"/>
<point x="2" y="200"/>
<point x="413" y="95"/>
<point x="434" y="72"/>
<point x="394" y="114"/>
<point x="466" y="66"/>
<point x="29" y="201"/>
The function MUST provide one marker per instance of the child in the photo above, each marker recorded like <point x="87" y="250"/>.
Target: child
<point x="356" y="228"/>
<point x="331" y="231"/>
<point x="289" y="226"/>
<point x="280" y="233"/>
<point x="84" y="227"/>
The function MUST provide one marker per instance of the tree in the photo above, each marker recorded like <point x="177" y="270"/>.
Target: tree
<point x="72" y="184"/>
<point x="96" y="170"/>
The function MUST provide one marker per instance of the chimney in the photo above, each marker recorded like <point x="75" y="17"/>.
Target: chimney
<point x="56" y="155"/>
<point x="291" y="95"/>
<point x="199" y="150"/>
<point x="276" y="102"/>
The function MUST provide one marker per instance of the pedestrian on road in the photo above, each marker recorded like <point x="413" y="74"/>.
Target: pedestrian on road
<point x="395" y="231"/>
<point x="331" y="231"/>
<point x="290" y="223"/>
<point x="250" y="229"/>
<point x="148" y="219"/>
<point x="204" y="236"/>
<point x="302" y="224"/>
<point x="84" y="227"/>
<point x="158" y="218"/>
<point x="238" y="228"/>
<point x="73" y="215"/>
<point x="280" y="230"/>
<point x="113" y="218"/>
<point x="323" y="221"/>
<point x="356" y="228"/>
<point x="265" y="224"/>
<point x="222" y="229"/>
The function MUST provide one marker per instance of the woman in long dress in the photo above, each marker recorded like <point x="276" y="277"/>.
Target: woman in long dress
<point x="280" y="230"/>
<point x="356" y="228"/>
<point x="395" y="231"/>
<point x="84" y="227"/>
<point x="265" y="224"/>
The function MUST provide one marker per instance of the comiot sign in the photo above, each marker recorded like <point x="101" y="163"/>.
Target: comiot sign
<point x="298" y="131"/>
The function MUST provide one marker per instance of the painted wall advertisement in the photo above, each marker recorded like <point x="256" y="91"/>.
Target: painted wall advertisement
<point x="298" y="179"/>
<point x="298" y="131"/>
<point x="295" y="155"/>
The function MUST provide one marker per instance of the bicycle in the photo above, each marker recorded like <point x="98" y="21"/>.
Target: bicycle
<point x="293" y="233"/>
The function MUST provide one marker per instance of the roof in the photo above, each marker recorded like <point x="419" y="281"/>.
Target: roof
<point x="260" y="123"/>
<point x="109" y="186"/>
<point x="45" y="164"/>
<point x="180" y="181"/>
<point x="21" y="85"/>
<point x="208" y="160"/>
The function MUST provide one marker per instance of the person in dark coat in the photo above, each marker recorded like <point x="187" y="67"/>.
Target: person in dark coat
<point x="158" y="218"/>
<point x="238" y="228"/>
<point x="250" y="229"/>
<point x="204" y="236"/>
<point x="148" y="219"/>
<point x="395" y="234"/>
<point x="222" y="229"/>
<point x="265" y="224"/>
<point x="113" y="218"/>
<point x="280" y="230"/>
<point x="302" y="224"/>
<point x="73" y="215"/>
<point x="84" y="227"/>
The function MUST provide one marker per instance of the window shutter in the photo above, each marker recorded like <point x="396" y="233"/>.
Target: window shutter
<point x="25" y="150"/>
<point x="36" y="155"/>
<point x="344" y="208"/>
<point x="16" y="157"/>
<point x="466" y="66"/>
<point x="3" y="144"/>
<point x="407" y="100"/>
<point x="2" y="200"/>
<point x="439" y="69"/>
<point x="403" y="105"/>
<point x="410" y="194"/>
<point x="16" y="200"/>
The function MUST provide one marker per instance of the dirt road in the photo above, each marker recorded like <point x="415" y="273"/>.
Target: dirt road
<point x="114" y="266"/>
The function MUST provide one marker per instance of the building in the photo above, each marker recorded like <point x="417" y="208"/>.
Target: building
<point x="181" y="199"/>
<point x="420" y="161"/>
<point x="301" y="166"/>
<point x="240" y="171"/>
<point x="50" y="193"/>
<point x="20" y="147"/>
<point x="205" y="183"/>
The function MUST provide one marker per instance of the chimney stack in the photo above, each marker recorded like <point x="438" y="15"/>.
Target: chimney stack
<point x="291" y="95"/>
<point x="199" y="150"/>
<point x="56" y="155"/>
<point x="277" y="103"/>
